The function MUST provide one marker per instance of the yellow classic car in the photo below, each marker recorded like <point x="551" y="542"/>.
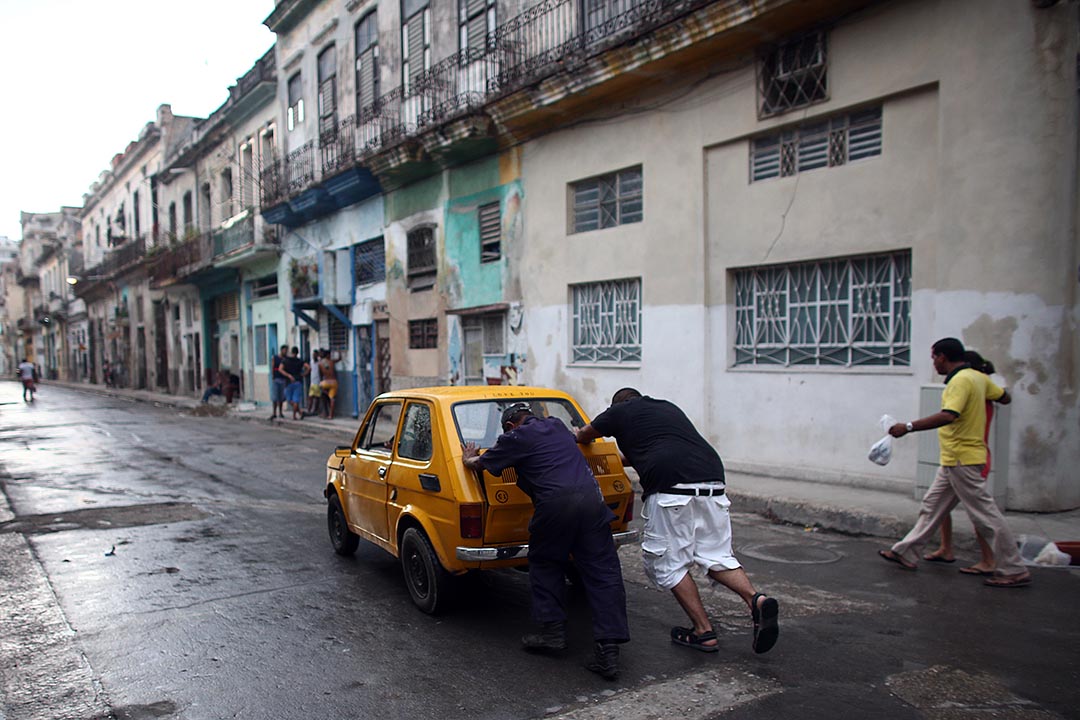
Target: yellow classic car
<point x="402" y="486"/>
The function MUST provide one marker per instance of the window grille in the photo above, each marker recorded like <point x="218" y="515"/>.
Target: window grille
<point x="606" y="321"/>
<point x="423" y="334"/>
<point x="227" y="306"/>
<point x="836" y="141"/>
<point x="490" y="219"/>
<point x="608" y="200"/>
<point x="260" y="345"/>
<point x="266" y="286"/>
<point x="844" y="312"/>
<point x="369" y="262"/>
<point x="793" y="75"/>
<point x="337" y="333"/>
<point x="422" y="269"/>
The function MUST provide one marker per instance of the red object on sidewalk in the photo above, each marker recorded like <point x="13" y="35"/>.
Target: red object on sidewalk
<point x="1072" y="549"/>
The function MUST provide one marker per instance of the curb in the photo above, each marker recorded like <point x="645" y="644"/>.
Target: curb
<point x="834" y="519"/>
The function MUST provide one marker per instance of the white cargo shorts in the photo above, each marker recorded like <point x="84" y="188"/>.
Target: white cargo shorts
<point x="684" y="530"/>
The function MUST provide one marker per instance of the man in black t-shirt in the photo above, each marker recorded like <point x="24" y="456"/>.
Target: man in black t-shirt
<point x="685" y="512"/>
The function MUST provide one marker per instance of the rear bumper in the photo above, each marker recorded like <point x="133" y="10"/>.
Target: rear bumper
<point x="511" y="552"/>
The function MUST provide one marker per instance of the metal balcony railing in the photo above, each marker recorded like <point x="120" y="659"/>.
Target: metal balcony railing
<point x="239" y="234"/>
<point x="553" y="36"/>
<point x="180" y="260"/>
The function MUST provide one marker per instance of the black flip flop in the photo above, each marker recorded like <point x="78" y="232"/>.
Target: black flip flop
<point x="766" y="622"/>
<point x="894" y="558"/>
<point x="938" y="559"/>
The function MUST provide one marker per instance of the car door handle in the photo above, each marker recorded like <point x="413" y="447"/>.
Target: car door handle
<point x="382" y="472"/>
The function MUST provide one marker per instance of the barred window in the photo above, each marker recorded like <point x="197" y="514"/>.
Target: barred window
<point x="369" y="262"/>
<point x="484" y="335"/>
<point x="421" y="258"/>
<point x="606" y="321"/>
<point x="266" y="286"/>
<point x="227" y="306"/>
<point x="260" y="345"/>
<point x="490" y="219"/>
<point x="423" y="334"/>
<point x="608" y="200"/>
<point x="337" y="333"/>
<point x="793" y="75"/>
<point x="843" y="312"/>
<point x="837" y="141"/>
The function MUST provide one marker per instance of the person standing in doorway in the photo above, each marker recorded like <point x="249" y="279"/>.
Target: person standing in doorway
<point x="961" y="424"/>
<point x="28" y="375"/>
<point x="570" y="519"/>
<point x="278" y="382"/>
<point x="329" y="383"/>
<point x="685" y="511"/>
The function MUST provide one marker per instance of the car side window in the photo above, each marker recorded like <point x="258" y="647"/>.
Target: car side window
<point x="379" y="435"/>
<point x="416" y="433"/>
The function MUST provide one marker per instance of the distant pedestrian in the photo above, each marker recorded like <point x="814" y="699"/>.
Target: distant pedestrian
<point x="329" y="383"/>
<point x="685" y="511"/>
<point x="293" y="369"/>
<point x="314" y="402"/>
<point x="107" y="373"/>
<point x="29" y="375"/>
<point x="570" y="518"/>
<point x="961" y="426"/>
<point x="278" y="382"/>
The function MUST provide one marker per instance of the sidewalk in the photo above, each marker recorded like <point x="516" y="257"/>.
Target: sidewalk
<point x="842" y="508"/>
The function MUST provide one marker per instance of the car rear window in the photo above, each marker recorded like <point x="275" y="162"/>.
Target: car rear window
<point x="478" y="421"/>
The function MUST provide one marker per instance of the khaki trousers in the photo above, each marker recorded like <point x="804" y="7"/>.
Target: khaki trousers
<point x="963" y="484"/>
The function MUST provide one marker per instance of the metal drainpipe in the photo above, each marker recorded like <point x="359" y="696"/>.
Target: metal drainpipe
<point x="355" y="375"/>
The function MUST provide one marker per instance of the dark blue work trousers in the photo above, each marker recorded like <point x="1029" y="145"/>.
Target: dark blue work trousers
<point x="578" y="524"/>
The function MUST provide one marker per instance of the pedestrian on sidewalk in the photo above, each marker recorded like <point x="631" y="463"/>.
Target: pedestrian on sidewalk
<point x="314" y="401"/>
<point x="961" y="424"/>
<point x="278" y="383"/>
<point x="944" y="552"/>
<point x="29" y="375"/>
<point x="685" y="512"/>
<point x="570" y="518"/>
<point x="329" y="383"/>
<point x="293" y="369"/>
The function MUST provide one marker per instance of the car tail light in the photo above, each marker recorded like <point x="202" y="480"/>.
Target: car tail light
<point x="472" y="521"/>
<point x="629" y="514"/>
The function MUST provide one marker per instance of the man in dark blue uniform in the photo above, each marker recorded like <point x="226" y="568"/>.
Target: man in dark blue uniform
<point x="570" y="518"/>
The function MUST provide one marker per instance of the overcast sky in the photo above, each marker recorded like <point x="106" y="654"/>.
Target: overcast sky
<point x="80" y="80"/>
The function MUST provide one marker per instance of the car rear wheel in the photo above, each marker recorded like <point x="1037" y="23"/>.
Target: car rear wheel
<point x="427" y="580"/>
<point x="342" y="538"/>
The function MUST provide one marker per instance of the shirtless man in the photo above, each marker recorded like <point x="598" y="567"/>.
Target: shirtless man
<point x="328" y="383"/>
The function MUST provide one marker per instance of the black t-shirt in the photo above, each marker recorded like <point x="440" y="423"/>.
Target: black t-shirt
<point x="661" y="443"/>
<point x="294" y="366"/>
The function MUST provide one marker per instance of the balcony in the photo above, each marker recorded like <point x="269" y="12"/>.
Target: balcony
<point x="552" y="62"/>
<point x="179" y="261"/>
<point x="124" y="258"/>
<point x="237" y="244"/>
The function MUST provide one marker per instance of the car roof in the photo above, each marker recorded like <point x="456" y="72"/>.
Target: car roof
<point x="456" y="393"/>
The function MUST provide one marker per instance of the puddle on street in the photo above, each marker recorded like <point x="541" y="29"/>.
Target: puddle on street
<point x="100" y="518"/>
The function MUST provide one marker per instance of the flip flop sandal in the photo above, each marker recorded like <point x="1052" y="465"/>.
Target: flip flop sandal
<point x="976" y="571"/>
<point x="766" y="622"/>
<point x="1004" y="582"/>
<point x="894" y="558"/>
<point x="687" y="638"/>
<point x="938" y="559"/>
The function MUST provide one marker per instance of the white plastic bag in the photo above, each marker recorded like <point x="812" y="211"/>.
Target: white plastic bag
<point x="1052" y="555"/>
<point x="881" y="451"/>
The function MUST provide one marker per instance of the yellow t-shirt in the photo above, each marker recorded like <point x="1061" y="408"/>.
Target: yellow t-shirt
<point x="966" y="394"/>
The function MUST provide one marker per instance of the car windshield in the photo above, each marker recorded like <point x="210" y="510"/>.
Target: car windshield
<point x="479" y="421"/>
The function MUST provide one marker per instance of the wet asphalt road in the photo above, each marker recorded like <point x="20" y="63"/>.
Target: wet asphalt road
<point x="163" y="565"/>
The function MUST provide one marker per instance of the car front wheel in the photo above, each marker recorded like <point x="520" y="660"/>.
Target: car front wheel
<point x="427" y="580"/>
<point x="342" y="538"/>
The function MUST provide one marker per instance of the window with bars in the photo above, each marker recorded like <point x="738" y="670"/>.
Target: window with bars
<point x="606" y="321"/>
<point x="608" y="200"/>
<point x="337" y="333"/>
<point x="227" y="306"/>
<point x="369" y="262"/>
<point x="836" y="141"/>
<point x="476" y="18"/>
<point x="260" y="345"/>
<point x="266" y="286"/>
<point x="844" y="312"/>
<point x="327" y="100"/>
<point x="423" y="334"/>
<point x="295" y="114"/>
<point x="415" y="41"/>
<point x="484" y="335"/>
<point x="490" y="219"/>
<point x="367" y="60"/>
<point x="793" y="75"/>
<point x="422" y="269"/>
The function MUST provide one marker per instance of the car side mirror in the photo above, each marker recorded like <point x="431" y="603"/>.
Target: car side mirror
<point x="343" y="451"/>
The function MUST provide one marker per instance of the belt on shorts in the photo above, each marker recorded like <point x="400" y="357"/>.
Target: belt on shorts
<point x="699" y="491"/>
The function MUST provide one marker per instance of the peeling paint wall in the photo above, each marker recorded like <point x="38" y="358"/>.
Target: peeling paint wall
<point x="977" y="178"/>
